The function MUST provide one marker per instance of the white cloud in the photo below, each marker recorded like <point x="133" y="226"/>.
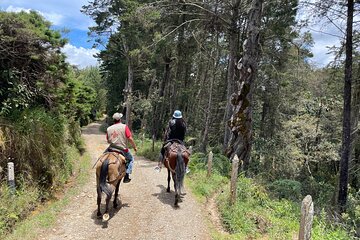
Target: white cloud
<point x="81" y="57"/>
<point x="324" y="33"/>
<point x="54" y="18"/>
<point x="69" y="10"/>
<point x="16" y="9"/>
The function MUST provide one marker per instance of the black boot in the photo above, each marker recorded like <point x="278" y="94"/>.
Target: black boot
<point x="126" y="178"/>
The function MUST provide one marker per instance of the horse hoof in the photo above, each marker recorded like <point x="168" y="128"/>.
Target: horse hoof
<point x="106" y="217"/>
<point x="98" y="215"/>
<point x="168" y="190"/>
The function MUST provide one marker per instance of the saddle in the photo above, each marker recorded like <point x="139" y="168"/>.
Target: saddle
<point x="172" y="148"/>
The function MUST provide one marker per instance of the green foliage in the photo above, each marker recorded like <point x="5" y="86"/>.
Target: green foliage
<point x="204" y="186"/>
<point x="322" y="229"/>
<point x="77" y="99"/>
<point x="31" y="71"/>
<point x="352" y="215"/>
<point x="91" y="77"/>
<point x="286" y="188"/>
<point x="36" y="141"/>
<point x="221" y="164"/>
<point x="145" y="148"/>
<point x="39" y="221"/>
<point x="254" y="214"/>
<point x="14" y="207"/>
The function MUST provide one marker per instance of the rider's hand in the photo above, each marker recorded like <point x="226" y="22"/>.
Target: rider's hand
<point x="135" y="149"/>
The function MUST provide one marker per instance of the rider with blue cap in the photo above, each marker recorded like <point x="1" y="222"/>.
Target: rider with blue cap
<point x="175" y="132"/>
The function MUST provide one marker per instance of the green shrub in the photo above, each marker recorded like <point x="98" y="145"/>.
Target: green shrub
<point x="14" y="207"/>
<point x="145" y="148"/>
<point x="35" y="143"/>
<point x="322" y="229"/>
<point x="204" y="186"/>
<point x="286" y="188"/>
<point x="255" y="214"/>
<point x="220" y="165"/>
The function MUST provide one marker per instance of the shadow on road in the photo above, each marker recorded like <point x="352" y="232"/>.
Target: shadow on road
<point x="112" y="212"/>
<point x="166" y="197"/>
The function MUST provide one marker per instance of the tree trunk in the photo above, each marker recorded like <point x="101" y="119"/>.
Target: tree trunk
<point x="158" y="115"/>
<point x="346" y="143"/>
<point x="129" y="94"/>
<point x="204" y="141"/>
<point x="240" y="142"/>
<point x="233" y="48"/>
<point x="354" y="180"/>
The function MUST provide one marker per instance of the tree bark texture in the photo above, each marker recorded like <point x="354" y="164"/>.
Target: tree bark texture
<point x="233" y="48"/>
<point x="346" y="142"/>
<point x="307" y="216"/>
<point x="240" y="124"/>
<point x="129" y="93"/>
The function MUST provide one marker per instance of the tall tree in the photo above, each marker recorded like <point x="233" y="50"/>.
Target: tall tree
<point x="346" y="143"/>
<point x="241" y="121"/>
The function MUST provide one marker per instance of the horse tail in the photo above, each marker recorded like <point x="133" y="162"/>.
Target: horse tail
<point x="102" y="179"/>
<point x="180" y="171"/>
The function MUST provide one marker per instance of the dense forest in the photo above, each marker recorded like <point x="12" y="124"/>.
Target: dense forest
<point x="240" y="72"/>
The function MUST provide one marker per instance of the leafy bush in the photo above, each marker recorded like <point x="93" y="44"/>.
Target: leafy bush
<point x="255" y="214"/>
<point x="146" y="150"/>
<point x="286" y="188"/>
<point x="203" y="185"/>
<point x="13" y="207"/>
<point x="37" y="142"/>
<point x="322" y="229"/>
<point x="220" y="164"/>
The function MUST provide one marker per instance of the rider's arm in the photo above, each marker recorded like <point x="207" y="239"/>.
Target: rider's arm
<point x="107" y="138"/>
<point x="131" y="140"/>
<point x="129" y="137"/>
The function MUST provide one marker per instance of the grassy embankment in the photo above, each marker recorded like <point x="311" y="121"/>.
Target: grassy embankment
<point x="47" y="159"/>
<point x="255" y="214"/>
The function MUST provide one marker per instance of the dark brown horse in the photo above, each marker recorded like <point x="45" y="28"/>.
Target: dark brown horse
<point x="176" y="160"/>
<point x="110" y="169"/>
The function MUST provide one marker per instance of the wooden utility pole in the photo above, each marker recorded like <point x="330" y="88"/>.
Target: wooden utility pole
<point x="209" y="164"/>
<point x="234" y="175"/>
<point x="307" y="216"/>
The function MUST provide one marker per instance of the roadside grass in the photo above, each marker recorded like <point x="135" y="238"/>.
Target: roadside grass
<point x="145" y="148"/>
<point x="255" y="214"/>
<point x="45" y="216"/>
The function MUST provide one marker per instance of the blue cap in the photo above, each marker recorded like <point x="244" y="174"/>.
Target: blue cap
<point x="177" y="114"/>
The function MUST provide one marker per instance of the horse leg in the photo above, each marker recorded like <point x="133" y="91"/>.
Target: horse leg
<point x="176" y="191"/>
<point x="168" y="179"/>
<point x="106" y="214"/>
<point x="116" y="193"/>
<point x="98" y="200"/>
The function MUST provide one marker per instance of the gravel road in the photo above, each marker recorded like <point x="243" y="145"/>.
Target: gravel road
<point x="146" y="211"/>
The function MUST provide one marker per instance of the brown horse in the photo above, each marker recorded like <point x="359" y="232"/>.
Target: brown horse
<point x="110" y="169"/>
<point x="176" y="160"/>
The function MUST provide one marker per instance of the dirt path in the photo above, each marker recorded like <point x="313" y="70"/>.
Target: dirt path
<point x="146" y="212"/>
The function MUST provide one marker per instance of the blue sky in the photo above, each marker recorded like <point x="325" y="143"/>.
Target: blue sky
<point x="63" y="14"/>
<point x="66" y="14"/>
